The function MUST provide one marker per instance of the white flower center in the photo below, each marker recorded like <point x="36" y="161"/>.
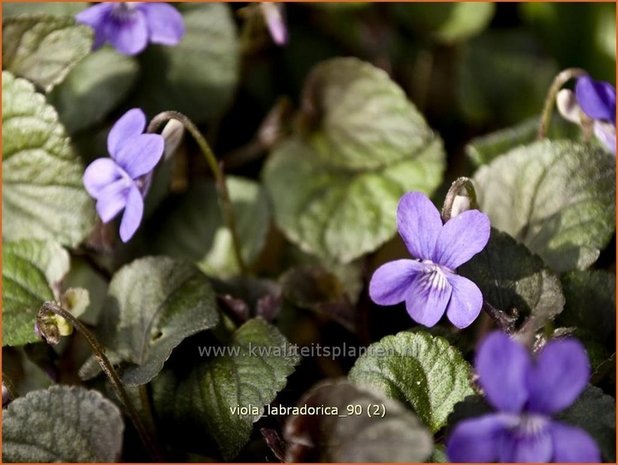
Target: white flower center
<point x="124" y="11"/>
<point x="527" y="425"/>
<point x="434" y="277"/>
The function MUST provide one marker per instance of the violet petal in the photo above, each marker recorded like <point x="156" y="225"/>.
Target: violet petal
<point x="573" y="444"/>
<point x="99" y="174"/>
<point x="389" y="283"/>
<point x="476" y="439"/>
<point x="427" y="297"/>
<point x="466" y="301"/>
<point x="129" y="125"/>
<point x="461" y="238"/>
<point x="96" y="17"/>
<point x="606" y="133"/>
<point x="502" y="365"/>
<point x="139" y="155"/>
<point x="133" y="213"/>
<point x="597" y="98"/>
<point x="518" y="447"/>
<point x="112" y="199"/>
<point x="419" y="224"/>
<point x="558" y="377"/>
<point x="129" y="35"/>
<point x="165" y="23"/>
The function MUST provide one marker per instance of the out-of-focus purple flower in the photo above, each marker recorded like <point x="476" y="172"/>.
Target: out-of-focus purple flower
<point x="597" y="99"/>
<point x="275" y="21"/>
<point x="129" y="26"/>
<point x="526" y="393"/>
<point x="429" y="285"/>
<point x="121" y="182"/>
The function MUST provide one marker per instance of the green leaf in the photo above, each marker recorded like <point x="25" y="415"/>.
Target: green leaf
<point x="249" y="372"/>
<point x="43" y="48"/>
<point x="590" y="302"/>
<point x="557" y="197"/>
<point x="341" y="215"/>
<point x="49" y="8"/>
<point x="502" y="78"/>
<point x="95" y="87"/>
<point x="198" y="76"/>
<point x="511" y="277"/>
<point x="484" y="149"/>
<point x="153" y="304"/>
<point x="62" y="424"/>
<point x="421" y="370"/>
<point x="42" y="175"/>
<point x="193" y="228"/>
<point x="31" y="271"/>
<point x="595" y="412"/>
<point x="446" y="22"/>
<point x="359" y="118"/>
<point x="355" y="436"/>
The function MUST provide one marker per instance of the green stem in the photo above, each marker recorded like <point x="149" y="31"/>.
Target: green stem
<point x="454" y="191"/>
<point x="50" y="332"/>
<point x="560" y="80"/>
<point x="217" y="171"/>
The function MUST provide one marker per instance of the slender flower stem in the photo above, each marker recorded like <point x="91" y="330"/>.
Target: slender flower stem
<point x="453" y="192"/>
<point x="217" y="171"/>
<point x="49" y="331"/>
<point x="560" y="80"/>
<point x="503" y="320"/>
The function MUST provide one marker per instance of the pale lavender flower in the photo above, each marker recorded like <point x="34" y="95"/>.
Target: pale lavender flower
<point x="121" y="182"/>
<point x="429" y="285"/>
<point x="275" y="21"/>
<point x="129" y="26"/>
<point x="597" y="100"/>
<point x="526" y="392"/>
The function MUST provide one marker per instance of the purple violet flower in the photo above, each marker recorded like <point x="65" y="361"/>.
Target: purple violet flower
<point x="526" y="393"/>
<point x="429" y="285"/>
<point x="129" y="26"/>
<point x="121" y="182"/>
<point x="275" y="21"/>
<point x="597" y="100"/>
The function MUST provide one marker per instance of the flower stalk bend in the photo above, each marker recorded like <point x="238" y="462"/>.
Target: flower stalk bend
<point x="217" y="171"/>
<point x="46" y="323"/>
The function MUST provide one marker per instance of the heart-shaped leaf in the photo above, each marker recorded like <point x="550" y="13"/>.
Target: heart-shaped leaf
<point x="419" y="369"/>
<point x="62" y="424"/>
<point x="153" y="304"/>
<point x="42" y="175"/>
<point x="359" y="118"/>
<point x="31" y="272"/>
<point x="557" y="197"/>
<point x="511" y="277"/>
<point x="367" y="427"/>
<point x="247" y="373"/>
<point x="43" y="48"/>
<point x="338" y="214"/>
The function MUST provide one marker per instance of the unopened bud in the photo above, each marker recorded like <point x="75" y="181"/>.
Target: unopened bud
<point x="568" y="106"/>
<point x="172" y="135"/>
